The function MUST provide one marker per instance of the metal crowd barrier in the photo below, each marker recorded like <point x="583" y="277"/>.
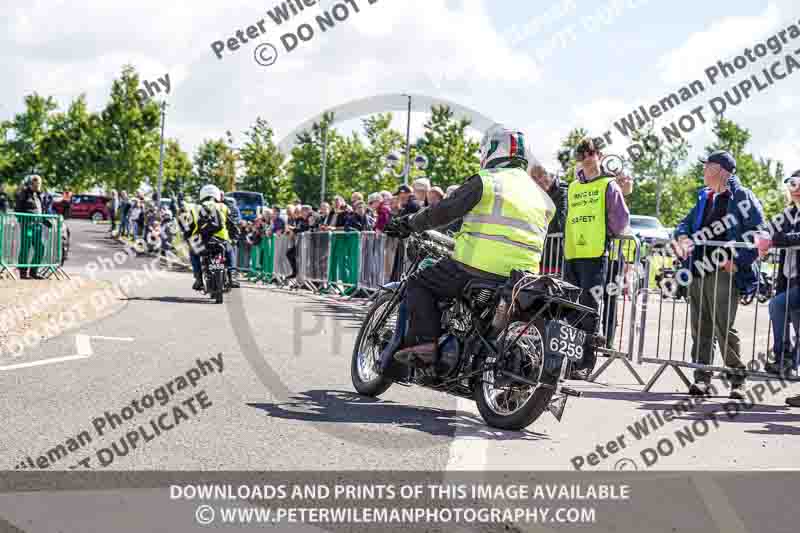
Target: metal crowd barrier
<point x="619" y="305"/>
<point x="314" y="251"/>
<point x="29" y="241"/>
<point x="378" y="254"/>
<point x="281" y="267"/>
<point x="672" y="344"/>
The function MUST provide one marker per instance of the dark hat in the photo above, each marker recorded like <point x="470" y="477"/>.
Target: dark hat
<point x="796" y="174"/>
<point x="722" y="158"/>
<point x="403" y="188"/>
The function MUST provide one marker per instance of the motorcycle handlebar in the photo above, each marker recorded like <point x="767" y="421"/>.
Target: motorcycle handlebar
<point x="440" y="238"/>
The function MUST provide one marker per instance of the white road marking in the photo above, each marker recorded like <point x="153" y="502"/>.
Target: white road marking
<point x="83" y="345"/>
<point x="44" y="362"/>
<point x="89" y="246"/>
<point x="467" y="452"/>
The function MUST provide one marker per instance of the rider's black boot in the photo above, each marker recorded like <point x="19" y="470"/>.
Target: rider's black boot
<point x="232" y="281"/>
<point x="198" y="283"/>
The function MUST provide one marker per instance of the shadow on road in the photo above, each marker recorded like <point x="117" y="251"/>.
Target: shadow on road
<point x="335" y="406"/>
<point x="724" y="409"/>
<point x="171" y="299"/>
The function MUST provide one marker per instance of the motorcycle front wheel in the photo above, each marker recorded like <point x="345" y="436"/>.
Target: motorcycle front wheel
<point x="376" y="332"/>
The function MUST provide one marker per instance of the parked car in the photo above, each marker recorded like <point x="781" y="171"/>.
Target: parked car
<point x="92" y="206"/>
<point x="649" y="229"/>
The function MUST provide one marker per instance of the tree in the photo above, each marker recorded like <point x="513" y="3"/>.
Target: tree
<point x="177" y="168"/>
<point x="215" y="163"/>
<point x="305" y="167"/>
<point x="382" y="140"/>
<point x="30" y="130"/>
<point x="69" y="151"/>
<point x="262" y="163"/>
<point x="130" y="128"/>
<point x="653" y="167"/>
<point x="566" y="153"/>
<point x="452" y="156"/>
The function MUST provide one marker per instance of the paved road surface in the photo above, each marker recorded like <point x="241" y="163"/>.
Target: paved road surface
<point x="294" y="407"/>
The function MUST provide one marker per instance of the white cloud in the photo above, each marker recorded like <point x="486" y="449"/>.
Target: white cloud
<point x="725" y="37"/>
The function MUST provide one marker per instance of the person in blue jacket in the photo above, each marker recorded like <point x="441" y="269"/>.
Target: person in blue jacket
<point x="718" y="275"/>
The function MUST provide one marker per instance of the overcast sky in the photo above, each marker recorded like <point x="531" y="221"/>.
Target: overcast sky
<point x="545" y="66"/>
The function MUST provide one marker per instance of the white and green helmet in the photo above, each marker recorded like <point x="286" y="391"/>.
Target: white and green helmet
<point x="501" y="145"/>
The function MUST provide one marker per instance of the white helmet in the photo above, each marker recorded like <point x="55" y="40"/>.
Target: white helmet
<point x="209" y="191"/>
<point x="501" y="145"/>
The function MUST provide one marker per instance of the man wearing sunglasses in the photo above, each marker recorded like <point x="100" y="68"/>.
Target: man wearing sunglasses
<point x="596" y="212"/>
<point x="725" y="211"/>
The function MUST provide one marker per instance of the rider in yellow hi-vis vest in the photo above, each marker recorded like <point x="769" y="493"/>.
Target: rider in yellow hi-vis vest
<point x="596" y="211"/>
<point x="505" y="218"/>
<point x="506" y="230"/>
<point x="212" y="219"/>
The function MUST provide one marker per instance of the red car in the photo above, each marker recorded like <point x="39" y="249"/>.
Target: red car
<point x="90" y="206"/>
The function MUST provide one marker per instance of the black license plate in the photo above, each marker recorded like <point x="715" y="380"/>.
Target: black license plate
<point x="216" y="266"/>
<point x="563" y="340"/>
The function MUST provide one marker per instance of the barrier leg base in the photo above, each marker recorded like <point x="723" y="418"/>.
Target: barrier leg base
<point x="661" y="370"/>
<point x="5" y="270"/>
<point x="607" y="363"/>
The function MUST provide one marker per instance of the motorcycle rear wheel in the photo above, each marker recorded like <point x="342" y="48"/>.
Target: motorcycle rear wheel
<point x="369" y="343"/>
<point x="219" y="284"/>
<point x="517" y="406"/>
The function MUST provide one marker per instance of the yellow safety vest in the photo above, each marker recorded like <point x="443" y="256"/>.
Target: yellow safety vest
<point x="222" y="212"/>
<point x="187" y="217"/>
<point x="585" y="233"/>
<point x="506" y="230"/>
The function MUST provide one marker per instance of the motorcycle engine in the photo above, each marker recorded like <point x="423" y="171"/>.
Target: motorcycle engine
<point x="449" y="355"/>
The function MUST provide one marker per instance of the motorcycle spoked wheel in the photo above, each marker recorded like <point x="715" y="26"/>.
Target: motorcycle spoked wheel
<point x="375" y="333"/>
<point x="504" y="404"/>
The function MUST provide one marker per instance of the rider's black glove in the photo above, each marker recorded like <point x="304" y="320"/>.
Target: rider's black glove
<point x="399" y="227"/>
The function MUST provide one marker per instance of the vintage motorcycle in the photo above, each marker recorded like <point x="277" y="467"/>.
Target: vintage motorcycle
<point x="506" y="345"/>
<point x="213" y="268"/>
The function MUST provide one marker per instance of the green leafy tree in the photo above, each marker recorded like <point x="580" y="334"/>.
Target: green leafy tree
<point x="566" y="154"/>
<point x="653" y="168"/>
<point x="263" y="164"/>
<point x="305" y="168"/>
<point x="215" y="163"/>
<point x="131" y="127"/>
<point x="7" y="156"/>
<point x="69" y="151"/>
<point x="30" y="130"/>
<point x="381" y="140"/>
<point x="452" y="156"/>
<point x="177" y="168"/>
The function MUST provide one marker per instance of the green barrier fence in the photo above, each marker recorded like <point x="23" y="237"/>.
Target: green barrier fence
<point x="265" y="254"/>
<point x="31" y="242"/>
<point x="344" y="261"/>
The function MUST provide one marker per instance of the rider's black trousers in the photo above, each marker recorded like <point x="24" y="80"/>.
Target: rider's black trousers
<point x="444" y="280"/>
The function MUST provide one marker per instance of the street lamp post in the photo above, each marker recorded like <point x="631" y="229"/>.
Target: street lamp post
<point x="161" y="160"/>
<point x="420" y="163"/>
